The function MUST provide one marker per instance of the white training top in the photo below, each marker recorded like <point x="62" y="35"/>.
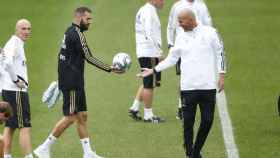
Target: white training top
<point x="202" y="57"/>
<point x="2" y="71"/>
<point x="14" y="64"/>
<point x="197" y="6"/>
<point x="148" y="32"/>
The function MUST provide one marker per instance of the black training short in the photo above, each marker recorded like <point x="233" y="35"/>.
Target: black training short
<point x="152" y="80"/>
<point x="178" y="67"/>
<point x="19" y="101"/>
<point x="74" y="101"/>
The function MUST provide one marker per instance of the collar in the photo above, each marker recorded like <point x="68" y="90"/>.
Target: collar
<point x="190" y="2"/>
<point x="152" y="6"/>
<point x="75" y="25"/>
<point x="194" y="31"/>
<point x="81" y="28"/>
<point x="196" y="28"/>
<point x="21" y="42"/>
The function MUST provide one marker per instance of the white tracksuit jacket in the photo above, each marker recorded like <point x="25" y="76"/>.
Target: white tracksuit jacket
<point x="202" y="57"/>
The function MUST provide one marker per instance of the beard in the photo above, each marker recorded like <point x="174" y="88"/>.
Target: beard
<point x="83" y="26"/>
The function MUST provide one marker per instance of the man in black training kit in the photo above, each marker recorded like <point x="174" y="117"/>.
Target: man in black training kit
<point x="74" y="51"/>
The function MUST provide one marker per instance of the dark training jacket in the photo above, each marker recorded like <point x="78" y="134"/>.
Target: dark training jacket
<point x="71" y="59"/>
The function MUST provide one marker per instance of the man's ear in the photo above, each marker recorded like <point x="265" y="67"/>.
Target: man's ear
<point x="79" y="19"/>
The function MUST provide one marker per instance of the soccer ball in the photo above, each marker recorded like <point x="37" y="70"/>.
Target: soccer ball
<point x="122" y="61"/>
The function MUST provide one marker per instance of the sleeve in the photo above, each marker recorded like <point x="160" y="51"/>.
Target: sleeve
<point x="1" y="61"/>
<point x="148" y="22"/>
<point x="10" y="50"/>
<point x="1" y="71"/>
<point x="82" y="45"/>
<point x="171" y="26"/>
<point x="218" y="47"/>
<point x="170" y="60"/>
<point x="1" y="64"/>
<point x="205" y="15"/>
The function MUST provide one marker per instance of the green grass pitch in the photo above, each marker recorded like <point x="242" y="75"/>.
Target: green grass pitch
<point x="250" y="30"/>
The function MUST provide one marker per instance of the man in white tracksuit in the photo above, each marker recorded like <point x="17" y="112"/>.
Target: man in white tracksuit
<point x="173" y="29"/>
<point x="202" y="58"/>
<point x="15" y="90"/>
<point x="148" y="50"/>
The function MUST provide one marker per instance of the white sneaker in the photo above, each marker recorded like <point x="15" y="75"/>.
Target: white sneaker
<point x="29" y="156"/>
<point x="40" y="152"/>
<point x="91" y="154"/>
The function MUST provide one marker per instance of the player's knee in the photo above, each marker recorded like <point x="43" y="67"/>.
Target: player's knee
<point x="1" y="140"/>
<point x="6" y="144"/>
<point x="82" y="117"/>
<point x="70" y="119"/>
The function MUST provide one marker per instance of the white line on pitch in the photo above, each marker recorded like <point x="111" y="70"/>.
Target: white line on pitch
<point x="231" y="148"/>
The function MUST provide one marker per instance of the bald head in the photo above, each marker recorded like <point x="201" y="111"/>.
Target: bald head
<point x="187" y="19"/>
<point x="22" y="22"/>
<point x="23" y="29"/>
<point x="187" y="13"/>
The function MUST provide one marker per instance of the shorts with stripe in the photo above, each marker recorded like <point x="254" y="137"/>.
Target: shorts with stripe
<point x="74" y="101"/>
<point x="151" y="81"/>
<point x="19" y="101"/>
<point x="178" y="67"/>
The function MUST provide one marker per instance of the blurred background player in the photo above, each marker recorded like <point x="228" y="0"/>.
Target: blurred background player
<point x="73" y="53"/>
<point x="148" y="50"/>
<point x="5" y="114"/>
<point x="173" y="29"/>
<point x="15" y="86"/>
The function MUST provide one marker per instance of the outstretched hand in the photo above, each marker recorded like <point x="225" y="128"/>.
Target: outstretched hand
<point x="145" y="72"/>
<point x="117" y="70"/>
<point x="221" y="82"/>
